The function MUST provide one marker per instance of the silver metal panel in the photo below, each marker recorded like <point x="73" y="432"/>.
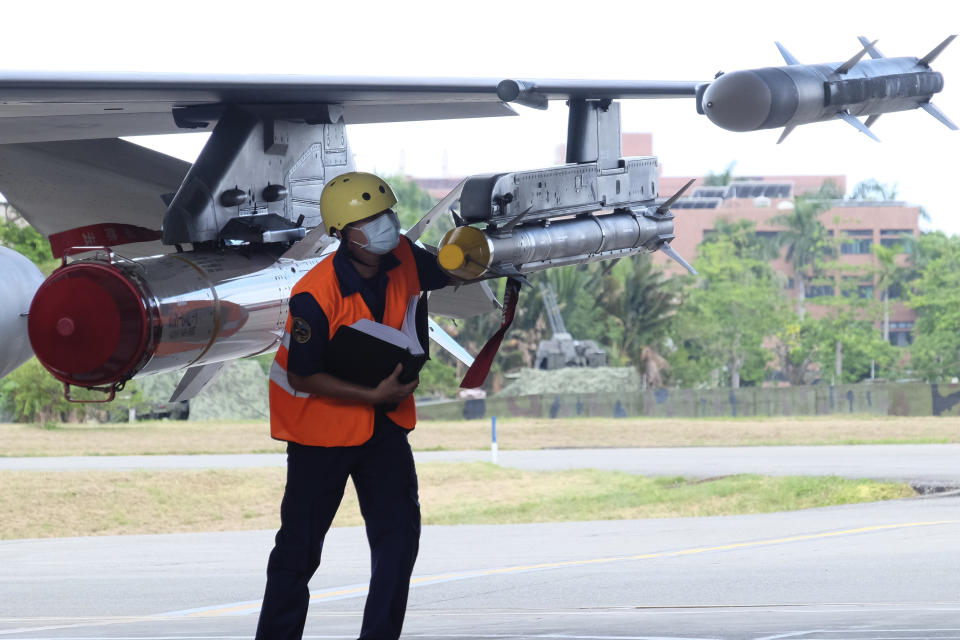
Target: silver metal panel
<point x="528" y="196"/>
<point x="195" y="380"/>
<point x="577" y="241"/>
<point x="250" y="153"/>
<point x="212" y="307"/>
<point x="64" y="185"/>
<point x="17" y="286"/>
<point x="464" y="301"/>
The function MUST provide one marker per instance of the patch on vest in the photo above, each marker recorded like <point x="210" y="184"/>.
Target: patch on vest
<point x="301" y="331"/>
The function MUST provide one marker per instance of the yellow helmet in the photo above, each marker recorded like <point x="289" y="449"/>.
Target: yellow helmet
<point x="353" y="196"/>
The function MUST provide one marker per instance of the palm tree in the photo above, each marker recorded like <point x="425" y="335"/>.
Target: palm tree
<point x="888" y="275"/>
<point x="643" y="304"/>
<point x="806" y="240"/>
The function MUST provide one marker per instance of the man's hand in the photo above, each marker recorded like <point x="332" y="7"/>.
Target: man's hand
<point x="391" y="391"/>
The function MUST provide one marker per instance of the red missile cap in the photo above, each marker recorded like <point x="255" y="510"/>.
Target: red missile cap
<point x="88" y="324"/>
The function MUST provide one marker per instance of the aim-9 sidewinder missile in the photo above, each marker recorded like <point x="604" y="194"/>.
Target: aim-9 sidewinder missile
<point x="800" y="94"/>
<point x="572" y="214"/>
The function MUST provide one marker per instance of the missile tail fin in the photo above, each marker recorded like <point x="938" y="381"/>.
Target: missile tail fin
<point x="872" y="119"/>
<point x="930" y="57"/>
<point x="872" y="50"/>
<point x="667" y="249"/>
<point x="669" y="203"/>
<point x="787" y="56"/>
<point x="932" y="109"/>
<point x="446" y="341"/>
<point x="195" y="380"/>
<point x="786" y="132"/>
<point x="856" y="124"/>
<point x="852" y="62"/>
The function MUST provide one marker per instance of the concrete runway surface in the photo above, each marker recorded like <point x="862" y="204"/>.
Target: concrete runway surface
<point x="937" y="464"/>
<point x="878" y="570"/>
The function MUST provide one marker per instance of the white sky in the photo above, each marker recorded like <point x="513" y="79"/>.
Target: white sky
<point x="614" y="39"/>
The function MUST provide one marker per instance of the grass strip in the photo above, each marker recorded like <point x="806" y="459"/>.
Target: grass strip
<point x="156" y="438"/>
<point x="64" y="504"/>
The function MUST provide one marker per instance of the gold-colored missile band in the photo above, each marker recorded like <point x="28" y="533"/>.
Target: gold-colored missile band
<point x="465" y="253"/>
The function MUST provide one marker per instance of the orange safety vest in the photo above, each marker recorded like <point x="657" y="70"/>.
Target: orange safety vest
<point x="325" y="421"/>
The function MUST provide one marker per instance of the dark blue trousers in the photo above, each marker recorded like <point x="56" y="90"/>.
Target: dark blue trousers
<point x="386" y="482"/>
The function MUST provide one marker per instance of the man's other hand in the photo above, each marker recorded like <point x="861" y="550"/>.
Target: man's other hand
<point x="391" y="390"/>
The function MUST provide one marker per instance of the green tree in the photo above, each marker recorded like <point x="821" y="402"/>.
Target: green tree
<point x="873" y="190"/>
<point x="888" y="275"/>
<point x="438" y="378"/>
<point x="31" y="394"/>
<point x="726" y="316"/>
<point x="720" y="179"/>
<point x="412" y="201"/>
<point x="742" y="234"/>
<point x="24" y="239"/>
<point x="807" y="242"/>
<point x="814" y="342"/>
<point x="638" y="305"/>
<point x="935" y="296"/>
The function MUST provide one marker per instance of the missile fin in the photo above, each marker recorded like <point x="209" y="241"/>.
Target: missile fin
<point x="667" y="249"/>
<point x="786" y="132"/>
<point x="872" y="50"/>
<point x="787" y="56"/>
<point x="852" y="62"/>
<point x="856" y="124"/>
<point x="872" y="119"/>
<point x="669" y="203"/>
<point x="195" y="380"/>
<point x="446" y="341"/>
<point x="446" y="204"/>
<point x="930" y="57"/>
<point x="933" y="110"/>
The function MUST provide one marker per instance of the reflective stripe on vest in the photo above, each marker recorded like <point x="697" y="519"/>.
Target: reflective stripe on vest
<point x="324" y="421"/>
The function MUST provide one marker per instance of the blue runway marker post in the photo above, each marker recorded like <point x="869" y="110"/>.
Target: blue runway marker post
<point x="493" y="439"/>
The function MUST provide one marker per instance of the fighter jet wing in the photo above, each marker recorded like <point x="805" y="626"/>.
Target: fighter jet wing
<point x="48" y="106"/>
<point x="63" y="188"/>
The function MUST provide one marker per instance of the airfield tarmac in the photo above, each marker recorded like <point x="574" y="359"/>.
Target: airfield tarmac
<point x="877" y="570"/>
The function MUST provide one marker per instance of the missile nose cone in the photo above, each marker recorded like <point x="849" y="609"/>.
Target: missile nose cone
<point x="88" y="325"/>
<point x="451" y="257"/>
<point x="738" y="101"/>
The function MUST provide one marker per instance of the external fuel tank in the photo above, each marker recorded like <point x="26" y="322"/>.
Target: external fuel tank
<point x="99" y="321"/>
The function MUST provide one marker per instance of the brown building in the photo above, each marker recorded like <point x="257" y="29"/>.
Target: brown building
<point x="861" y="224"/>
<point x="858" y="224"/>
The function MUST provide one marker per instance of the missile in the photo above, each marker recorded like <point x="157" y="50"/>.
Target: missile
<point x="798" y="94"/>
<point x="21" y="278"/>
<point x="470" y="253"/>
<point x="98" y="321"/>
<point x="579" y="235"/>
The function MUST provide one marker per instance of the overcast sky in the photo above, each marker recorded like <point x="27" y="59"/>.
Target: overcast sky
<point x="612" y="39"/>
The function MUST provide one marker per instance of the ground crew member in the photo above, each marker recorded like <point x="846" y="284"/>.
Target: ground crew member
<point x="335" y="429"/>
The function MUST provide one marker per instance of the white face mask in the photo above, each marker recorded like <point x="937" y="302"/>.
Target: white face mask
<point x="382" y="233"/>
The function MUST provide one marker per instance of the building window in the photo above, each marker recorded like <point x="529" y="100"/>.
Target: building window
<point x="819" y="290"/>
<point x="895" y="238"/>
<point x="901" y="334"/>
<point x="859" y="241"/>
<point x="865" y="291"/>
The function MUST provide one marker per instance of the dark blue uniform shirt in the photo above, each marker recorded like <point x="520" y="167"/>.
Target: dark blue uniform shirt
<point x="306" y="358"/>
